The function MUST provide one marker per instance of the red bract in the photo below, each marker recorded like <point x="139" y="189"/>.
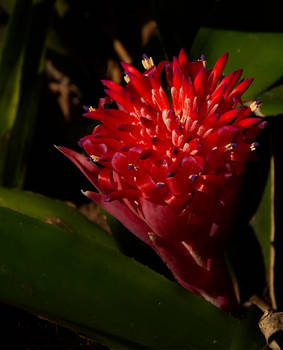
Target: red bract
<point x="171" y="154"/>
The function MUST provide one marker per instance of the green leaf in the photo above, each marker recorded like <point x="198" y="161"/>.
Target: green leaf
<point x="54" y="212"/>
<point x="71" y="280"/>
<point x="272" y="101"/>
<point x="258" y="53"/>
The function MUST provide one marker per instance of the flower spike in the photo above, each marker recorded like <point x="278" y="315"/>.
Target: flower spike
<point x="172" y="172"/>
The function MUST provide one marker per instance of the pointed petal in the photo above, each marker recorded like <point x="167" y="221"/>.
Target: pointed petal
<point x="217" y="70"/>
<point x="241" y="88"/>
<point x="183" y="59"/>
<point x="227" y="117"/>
<point x="121" y="98"/>
<point x="247" y="123"/>
<point x="88" y="168"/>
<point x="112" y="85"/>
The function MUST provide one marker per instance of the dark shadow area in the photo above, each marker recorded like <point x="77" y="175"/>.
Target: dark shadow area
<point x="249" y="269"/>
<point x="255" y="177"/>
<point x="246" y="258"/>
<point x="21" y="330"/>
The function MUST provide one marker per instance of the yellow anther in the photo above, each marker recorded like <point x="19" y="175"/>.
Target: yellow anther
<point x="253" y="106"/>
<point x="91" y="109"/>
<point x="147" y="63"/>
<point x="203" y="60"/>
<point x="94" y="158"/>
<point x="132" y="167"/>
<point x="230" y="146"/>
<point x="127" y="78"/>
<point x="253" y="146"/>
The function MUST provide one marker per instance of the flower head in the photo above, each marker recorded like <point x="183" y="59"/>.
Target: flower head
<point x="167" y="160"/>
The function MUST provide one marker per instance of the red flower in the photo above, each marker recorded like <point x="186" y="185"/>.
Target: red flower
<point x="170" y="156"/>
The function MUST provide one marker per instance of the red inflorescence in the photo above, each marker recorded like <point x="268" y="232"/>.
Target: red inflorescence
<point x="171" y="154"/>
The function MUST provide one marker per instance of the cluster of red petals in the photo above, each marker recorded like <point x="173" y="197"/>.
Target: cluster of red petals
<point x="171" y="154"/>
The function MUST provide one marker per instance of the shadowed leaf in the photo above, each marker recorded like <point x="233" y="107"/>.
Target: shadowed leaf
<point x="95" y="290"/>
<point x="272" y="101"/>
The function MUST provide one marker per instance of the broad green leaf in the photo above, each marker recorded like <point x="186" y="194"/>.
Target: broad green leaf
<point x="258" y="53"/>
<point x="54" y="212"/>
<point x="272" y="101"/>
<point x="66" y="278"/>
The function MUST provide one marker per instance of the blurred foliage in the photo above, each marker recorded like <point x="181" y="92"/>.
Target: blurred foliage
<point x="21" y="70"/>
<point x="52" y="57"/>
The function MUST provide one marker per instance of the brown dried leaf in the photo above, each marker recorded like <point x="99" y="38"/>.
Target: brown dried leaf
<point x="271" y="324"/>
<point x="68" y="93"/>
<point x="148" y="30"/>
